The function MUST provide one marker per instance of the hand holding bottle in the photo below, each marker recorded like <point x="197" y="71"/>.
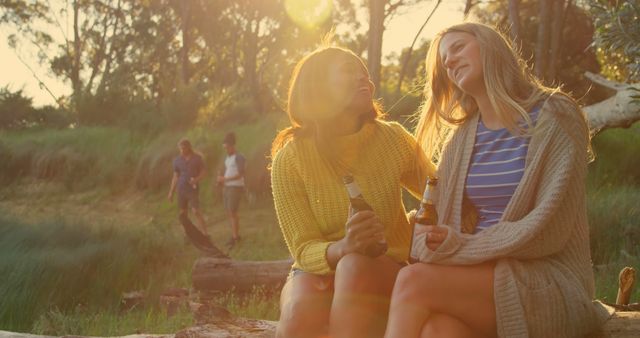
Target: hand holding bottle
<point x="358" y="204"/>
<point x="363" y="231"/>
<point x="424" y="220"/>
<point x="435" y="235"/>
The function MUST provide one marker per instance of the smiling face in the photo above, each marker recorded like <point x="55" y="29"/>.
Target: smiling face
<point x="348" y="85"/>
<point x="460" y="55"/>
<point x="330" y="87"/>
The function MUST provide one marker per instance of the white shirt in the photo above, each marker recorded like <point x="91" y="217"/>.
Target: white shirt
<point x="231" y="169"/>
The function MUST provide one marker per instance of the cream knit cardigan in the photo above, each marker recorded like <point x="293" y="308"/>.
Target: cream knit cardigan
<point x="543" y="282"/>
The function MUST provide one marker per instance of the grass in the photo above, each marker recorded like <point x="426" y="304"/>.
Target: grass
<point x="260" y="303"/>
<point x="64" y="274"/>
<point x="59" y="265"/>
<point x="613" y="192"/>
<point x="69" y="250"/>
<point x="75" y="157"/>
<point x="88" y="158"/>
<point x="108" y="323"/>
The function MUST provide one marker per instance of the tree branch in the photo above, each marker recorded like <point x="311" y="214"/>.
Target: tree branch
<point x="405" y="60"/>
<point x="618" y="111"/>
<point x="40" y="82"/>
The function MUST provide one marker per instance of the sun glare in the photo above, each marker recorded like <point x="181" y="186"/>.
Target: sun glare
<point x="308" y="13"/>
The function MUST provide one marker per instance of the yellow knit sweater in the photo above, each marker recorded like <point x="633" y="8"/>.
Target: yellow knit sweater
<point x="312" y="204"/>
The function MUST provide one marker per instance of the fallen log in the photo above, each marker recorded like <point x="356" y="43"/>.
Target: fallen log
<point x="621" y="325"/>
<point x="215" y="274"/>
<point x="239" y="327"/>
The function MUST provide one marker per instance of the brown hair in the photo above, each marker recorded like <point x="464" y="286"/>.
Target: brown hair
<point x="185" y="142"/>
<point x="307" y="99"/>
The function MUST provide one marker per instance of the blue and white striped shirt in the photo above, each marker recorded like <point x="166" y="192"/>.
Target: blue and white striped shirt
<point x="496" y="168"/>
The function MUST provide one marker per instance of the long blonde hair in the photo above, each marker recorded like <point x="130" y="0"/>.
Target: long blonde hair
<point x="511" y="87"/>
<point x="307" y="100"/>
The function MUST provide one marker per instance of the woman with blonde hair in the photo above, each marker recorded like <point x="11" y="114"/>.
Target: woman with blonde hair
<point x="336" y="286"/>
<point x="519" y="151"/>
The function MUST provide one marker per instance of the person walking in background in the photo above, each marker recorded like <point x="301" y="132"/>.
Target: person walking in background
<point x="188" y="171"/>
<point x="338" y="286"/>
<point x="231" y="178"/>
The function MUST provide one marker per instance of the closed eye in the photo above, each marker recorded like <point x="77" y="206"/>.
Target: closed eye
<point x="453" y="49"/>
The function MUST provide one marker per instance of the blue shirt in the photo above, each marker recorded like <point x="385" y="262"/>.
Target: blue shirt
<point x="187" y="169"/>
<point x="496" y="168"/>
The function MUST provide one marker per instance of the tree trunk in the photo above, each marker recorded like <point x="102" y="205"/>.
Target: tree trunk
<point x="214" y="274"/>
<point x="467" y="8"/>
<point x="251" y="50"/>
<point x="376" y="29"/>
<point x="514" y="22"/>
<point x="185" y="25"/>
<point x="109" y="55"/>
<point x="75" y="66"/>
<point x="556" y="39"/>
<point x="542" y="43"/>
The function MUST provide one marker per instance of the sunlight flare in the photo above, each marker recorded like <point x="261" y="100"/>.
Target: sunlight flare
<point x="308" y="13"/>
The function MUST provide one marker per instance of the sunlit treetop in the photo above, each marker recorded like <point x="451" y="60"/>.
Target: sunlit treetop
<point x="308" y="14"/>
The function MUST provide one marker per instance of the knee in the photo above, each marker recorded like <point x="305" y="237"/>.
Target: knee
<point x="298" y="319"/>
<point x="289" y="328"/>
<point x="356" y="273"/>
<point x="406" y="281"/>
<point x="441" y="325"/>
<point x="415" y="282"/>
<point x="356" y="269"/>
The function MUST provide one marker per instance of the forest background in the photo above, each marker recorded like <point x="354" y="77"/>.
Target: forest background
<point x="83" y="180"/>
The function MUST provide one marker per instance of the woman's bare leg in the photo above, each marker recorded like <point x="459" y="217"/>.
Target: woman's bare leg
<point x="363" y="288"/>
<point x="462" y="292"/>
<point x="305" y="303"/>
<point x="444" y="326"/>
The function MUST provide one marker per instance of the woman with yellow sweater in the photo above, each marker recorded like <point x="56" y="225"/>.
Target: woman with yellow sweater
<point x="336" y="129"/>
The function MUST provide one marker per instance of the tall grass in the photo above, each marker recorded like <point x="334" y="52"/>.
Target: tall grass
<point x="77" y="157"/>
<point x="260" y="303"/>
<point x="613" y="192"/>
<point x="86" y="158"/>
<point x="62" y="276"/>
<point x="58" y="266"/>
